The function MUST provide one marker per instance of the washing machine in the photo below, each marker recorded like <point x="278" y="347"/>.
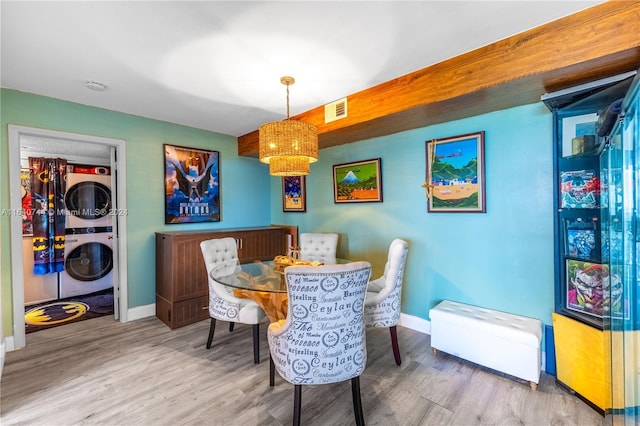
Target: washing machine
<point x="88" y="262"/>
<point x="88" y="197"/>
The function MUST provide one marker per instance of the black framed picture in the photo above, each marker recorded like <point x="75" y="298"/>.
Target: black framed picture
<point x="192" y="185"/>
<point x="358" y="182"/>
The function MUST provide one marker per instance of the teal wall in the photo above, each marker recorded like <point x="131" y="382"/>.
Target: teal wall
<point x="502" y="259"/>
<point x="244" y="181"/>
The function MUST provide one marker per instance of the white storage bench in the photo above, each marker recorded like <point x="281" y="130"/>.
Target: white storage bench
<point x="498" y="340"/>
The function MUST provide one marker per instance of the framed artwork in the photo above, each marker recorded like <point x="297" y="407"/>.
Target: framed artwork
<point x="455" y="174"/>
<point x="359" y="182"/>
<point x="575" y="127"/>
<point x="593" y="290"/>
<point x="294" y="194"/>
<point x="192" y="185"/>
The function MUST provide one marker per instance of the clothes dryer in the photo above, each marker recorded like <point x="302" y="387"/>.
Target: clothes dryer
<point x="88" y="197"/>
<point x="88" y="265"/>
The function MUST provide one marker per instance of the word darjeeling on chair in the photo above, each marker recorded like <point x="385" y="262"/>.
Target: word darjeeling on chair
<point x="323" y="338"/>
<point x="382" y="306"/>
<point x="221" y="255"/>
<point x="317" y="246"/>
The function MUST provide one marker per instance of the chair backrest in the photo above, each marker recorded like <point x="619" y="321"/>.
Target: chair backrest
<point x="393" y="278"/>
<point x="321" y="247"/>
<point x="220" y="253"/>
<point x="323" y="338"/>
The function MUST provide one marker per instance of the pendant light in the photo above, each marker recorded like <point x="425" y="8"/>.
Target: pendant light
<point x="288" y="146"/>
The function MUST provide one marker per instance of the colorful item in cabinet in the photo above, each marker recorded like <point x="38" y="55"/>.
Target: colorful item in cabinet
<point x="593" y="290"/>
<point x="581" y="243"/>
<point x="579" y="189"/>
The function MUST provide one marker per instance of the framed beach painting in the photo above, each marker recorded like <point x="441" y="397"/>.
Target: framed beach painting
<point x="294" y="196"/>
<point x="455" y="174"/>
<point x="358" y="182"/>
<point x="192" y="185"/>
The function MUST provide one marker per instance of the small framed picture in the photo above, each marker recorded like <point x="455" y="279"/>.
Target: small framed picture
<point x="455" y="174"/>
<point x="192" y="185"/>
<point x="577" y="127"/>
<point x="294" y="194"/>
<point x="358" y="182"/>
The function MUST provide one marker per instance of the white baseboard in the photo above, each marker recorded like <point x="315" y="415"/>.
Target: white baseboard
<point x="415" y="323"/>
<point x="9" y="345"/>
<point x="3" y="351"/>
<point x="140" y="312"/>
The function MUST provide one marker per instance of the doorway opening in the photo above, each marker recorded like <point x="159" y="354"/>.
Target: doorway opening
<point x="78" y="149"/>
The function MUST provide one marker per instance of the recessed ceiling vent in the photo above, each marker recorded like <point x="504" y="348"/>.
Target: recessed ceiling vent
<point x="335" y="110"/>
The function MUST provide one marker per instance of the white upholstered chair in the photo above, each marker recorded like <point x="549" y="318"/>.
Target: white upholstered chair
<point x="382" y="305"/>
<point x="323" y="338"/>
<point x="317" y="246"/>
<point x="221" y="254"/>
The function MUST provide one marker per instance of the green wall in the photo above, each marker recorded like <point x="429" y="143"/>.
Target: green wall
<point x="244" y="181"/>
<point x="501" y="259"/>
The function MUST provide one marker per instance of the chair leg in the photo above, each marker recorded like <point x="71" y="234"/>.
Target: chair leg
<point x="297" y="404"/>
<point x="231" y="324"/>
<point x="212" y="328"/>
<point x="272" y="371"/>
<point x="357" y="402"/>
<point x="394" y="344"/>
<point x="256" y="343"/>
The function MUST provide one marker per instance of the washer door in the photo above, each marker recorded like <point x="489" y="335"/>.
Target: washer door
<point x="89" y="262"/>
<point x="88" y="200"/>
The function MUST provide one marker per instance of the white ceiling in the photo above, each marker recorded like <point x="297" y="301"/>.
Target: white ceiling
<point x="217" y="65"/>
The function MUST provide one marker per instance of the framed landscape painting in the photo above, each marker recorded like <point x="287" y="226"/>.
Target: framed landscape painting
<point x="359" y="182"/>
<point x="455" y="174"/>
<point x="192" y="185"/>
<point x="294" y="196"/>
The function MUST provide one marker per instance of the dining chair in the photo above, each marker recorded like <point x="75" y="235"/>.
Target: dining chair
<point x="382" y="305"/>
<point x="318" y="246"/>
<point x="221" y="254"/>
<point x="323" y="338"/>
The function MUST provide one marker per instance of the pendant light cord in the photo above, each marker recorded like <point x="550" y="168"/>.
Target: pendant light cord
<point x="287" y="101"/>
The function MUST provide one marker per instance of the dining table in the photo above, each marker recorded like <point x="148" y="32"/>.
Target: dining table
<point x="263" y="282"/>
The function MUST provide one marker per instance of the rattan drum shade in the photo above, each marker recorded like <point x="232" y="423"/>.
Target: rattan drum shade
<point x="288" y="146"/>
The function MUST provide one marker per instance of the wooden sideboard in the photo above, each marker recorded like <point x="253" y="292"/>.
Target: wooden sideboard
<point x="182" y="290"/>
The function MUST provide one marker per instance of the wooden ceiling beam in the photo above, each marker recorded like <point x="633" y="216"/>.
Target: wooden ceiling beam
<point x="598" y="42"/>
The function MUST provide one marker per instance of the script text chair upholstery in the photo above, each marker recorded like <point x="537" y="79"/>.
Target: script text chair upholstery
<point x="221" y="254"/>
<point x="323" y="338"/>
<point x="382" y="305"/>
<point x="320" y="247"/>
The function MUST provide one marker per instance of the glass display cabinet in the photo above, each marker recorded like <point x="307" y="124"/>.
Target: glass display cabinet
<point x="595" y="199"/>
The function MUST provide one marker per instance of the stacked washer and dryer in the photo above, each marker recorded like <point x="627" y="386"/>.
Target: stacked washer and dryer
<point x="88" y="265"/>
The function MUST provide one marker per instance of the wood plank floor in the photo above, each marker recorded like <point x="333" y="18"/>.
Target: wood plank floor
<point x="103" y="372"/>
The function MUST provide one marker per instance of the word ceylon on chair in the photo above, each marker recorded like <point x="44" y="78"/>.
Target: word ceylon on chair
<point x="221" y="257"/>
<point x="323" y="338"/>
<point x="382" y="306"/>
